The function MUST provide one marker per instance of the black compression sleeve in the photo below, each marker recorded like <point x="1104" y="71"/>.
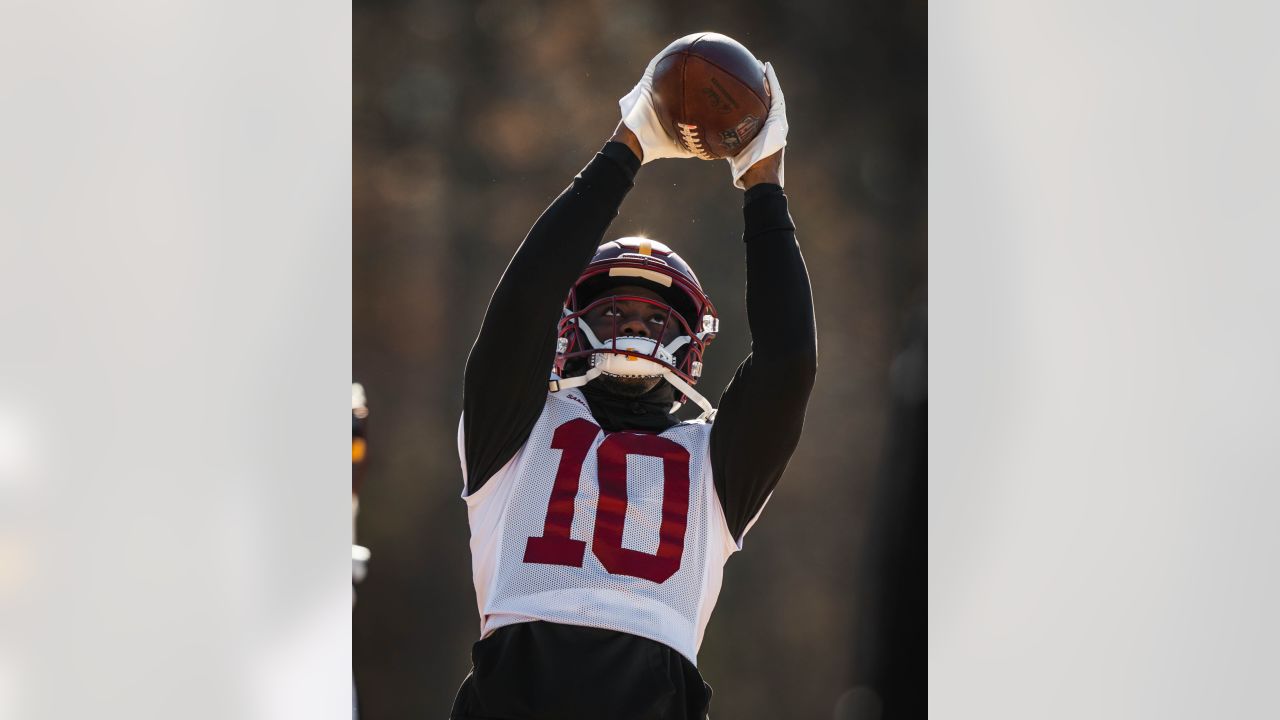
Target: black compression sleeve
<point x="761" y="412"/>
<point x="505" y="385"/>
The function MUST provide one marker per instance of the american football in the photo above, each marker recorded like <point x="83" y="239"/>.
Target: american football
<point x="710" y="94"/>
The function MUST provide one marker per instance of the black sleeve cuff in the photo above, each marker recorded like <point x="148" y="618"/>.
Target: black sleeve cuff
<point x="622" y="155"/>
<point x="758" y="191"/>
<point x="764" y="210"/>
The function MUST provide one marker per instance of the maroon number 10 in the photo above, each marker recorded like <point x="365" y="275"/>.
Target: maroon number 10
<point x="555" y="547"/>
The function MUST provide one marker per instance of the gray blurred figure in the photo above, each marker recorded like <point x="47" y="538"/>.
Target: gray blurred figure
<point x="359" y="451"/>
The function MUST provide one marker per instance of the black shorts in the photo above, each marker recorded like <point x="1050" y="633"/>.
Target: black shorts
<point x="548" y="671"/>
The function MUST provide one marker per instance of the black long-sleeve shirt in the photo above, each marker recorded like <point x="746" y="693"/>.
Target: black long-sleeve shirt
<point x="753" y="436"/>
<point x="760" y="413"/>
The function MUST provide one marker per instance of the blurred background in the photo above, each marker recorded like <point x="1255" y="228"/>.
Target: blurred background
<point x="468" y="119"/>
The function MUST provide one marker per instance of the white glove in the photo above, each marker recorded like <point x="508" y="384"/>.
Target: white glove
<point x="639" y="115"/>
<point x="772" y="137"/>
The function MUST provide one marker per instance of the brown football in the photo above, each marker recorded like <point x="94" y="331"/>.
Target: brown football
<point x="710" y="94"/>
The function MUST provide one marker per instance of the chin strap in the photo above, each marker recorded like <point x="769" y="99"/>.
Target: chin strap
<point x="576" y="381"/>
<point x="708" y="412"/>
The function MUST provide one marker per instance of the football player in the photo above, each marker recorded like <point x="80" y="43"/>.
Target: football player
<point x="600" y="522"/>
<point x="359" y="453"/>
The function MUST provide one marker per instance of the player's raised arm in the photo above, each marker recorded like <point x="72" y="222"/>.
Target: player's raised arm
<point x="762" y="411"/>
<point x="505" y="385"/>
<point x="506" y="375"/>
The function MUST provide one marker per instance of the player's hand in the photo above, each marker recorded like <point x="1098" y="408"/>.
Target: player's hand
<point x="639" y="116"/>
<point x="770" y="141"/>
<point x="768" y="170"/>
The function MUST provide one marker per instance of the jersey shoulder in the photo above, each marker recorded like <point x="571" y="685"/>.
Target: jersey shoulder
<point x="567" y="400"/>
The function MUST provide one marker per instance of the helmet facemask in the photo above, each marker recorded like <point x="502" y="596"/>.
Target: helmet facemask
<point x="627" y="355"/>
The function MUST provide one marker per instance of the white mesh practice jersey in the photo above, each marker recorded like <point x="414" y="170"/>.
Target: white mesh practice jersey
<point x="615" y="530"/>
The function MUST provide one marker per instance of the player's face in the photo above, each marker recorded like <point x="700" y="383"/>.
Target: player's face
<point x="634" y="318"/>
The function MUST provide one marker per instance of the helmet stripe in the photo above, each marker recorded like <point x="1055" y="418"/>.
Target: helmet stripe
<point x="650" y="275"/>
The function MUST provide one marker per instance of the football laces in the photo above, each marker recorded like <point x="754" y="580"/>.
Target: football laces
<point x="693" y="140"/>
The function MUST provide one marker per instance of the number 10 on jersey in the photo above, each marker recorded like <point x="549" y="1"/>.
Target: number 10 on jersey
<point x="555" y="547"/>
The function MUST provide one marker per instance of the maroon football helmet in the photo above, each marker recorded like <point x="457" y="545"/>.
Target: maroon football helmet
<point x="646" y="263"/>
